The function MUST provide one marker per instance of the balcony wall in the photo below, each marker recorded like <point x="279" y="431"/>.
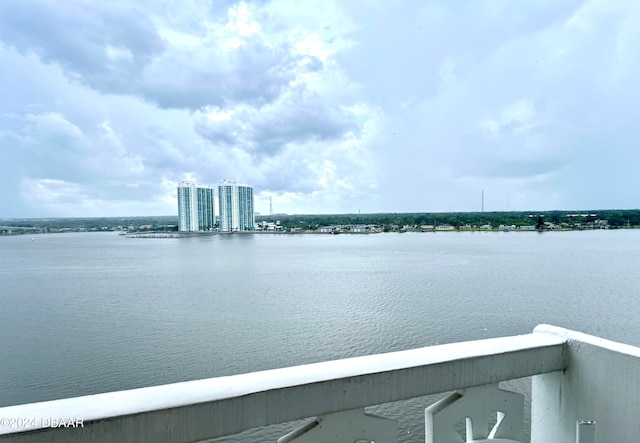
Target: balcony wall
<point x="572" y="381"/>
<point x="600" y="383"/>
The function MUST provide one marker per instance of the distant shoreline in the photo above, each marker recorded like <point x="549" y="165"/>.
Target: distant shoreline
<point x="178" y="234"/>
<point x="348" y="223"/>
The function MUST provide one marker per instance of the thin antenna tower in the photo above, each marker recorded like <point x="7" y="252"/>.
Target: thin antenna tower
<point x="270" y="207"/>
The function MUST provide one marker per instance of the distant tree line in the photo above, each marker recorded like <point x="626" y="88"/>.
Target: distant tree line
<point x="615" y="218"/>
<point x="91" y="222"/>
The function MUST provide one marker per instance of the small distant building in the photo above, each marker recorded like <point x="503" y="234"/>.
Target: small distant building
<point x="270" y="226"/>
<point x="527" y="228"/>
<point x="445" y="227"/>
<point x="329" y="229"/>
<point x="486" y="227"/>
<point x="427" y="228"/>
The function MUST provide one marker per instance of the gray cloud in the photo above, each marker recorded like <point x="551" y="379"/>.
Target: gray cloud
<point x="294" y="119"/>
<point x="117" y="48"/>
<point x="253" y="74"/>
<point x="104" y="45"/>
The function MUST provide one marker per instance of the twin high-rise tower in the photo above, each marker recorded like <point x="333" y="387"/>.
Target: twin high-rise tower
<point x="196" y="207"/>
<point x="236" y="206"/>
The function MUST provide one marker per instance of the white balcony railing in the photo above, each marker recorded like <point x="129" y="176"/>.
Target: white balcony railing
<point x="575" y="377"/>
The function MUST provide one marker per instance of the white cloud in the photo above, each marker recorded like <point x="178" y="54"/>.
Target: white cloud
<point x="241" y="22"/>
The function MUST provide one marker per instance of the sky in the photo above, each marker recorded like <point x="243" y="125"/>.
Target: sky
<point x="324" y="107"/>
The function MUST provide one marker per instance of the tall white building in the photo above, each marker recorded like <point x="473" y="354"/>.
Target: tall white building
<point x="235" y="206"/>
<point x="196" y="207"/>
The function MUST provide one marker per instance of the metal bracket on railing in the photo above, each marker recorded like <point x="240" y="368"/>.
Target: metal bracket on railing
<point x="585" y="431"/>
<point x="354" y="425"/>
<point x="472" y="408"/>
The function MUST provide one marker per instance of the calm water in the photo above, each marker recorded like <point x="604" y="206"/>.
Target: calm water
<point x="89" y="313"/>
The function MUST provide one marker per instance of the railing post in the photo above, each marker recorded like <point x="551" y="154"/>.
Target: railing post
<point x="585" y="431"/>
<point x="473" y="406"/>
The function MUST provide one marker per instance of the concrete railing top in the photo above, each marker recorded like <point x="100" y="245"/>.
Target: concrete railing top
<point x="210" y="408"/>
<point x="136" y="401"/>
<point x="568" y="335"/>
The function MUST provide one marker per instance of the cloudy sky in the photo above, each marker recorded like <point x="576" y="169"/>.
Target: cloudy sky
<point x="325" y="106"/>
